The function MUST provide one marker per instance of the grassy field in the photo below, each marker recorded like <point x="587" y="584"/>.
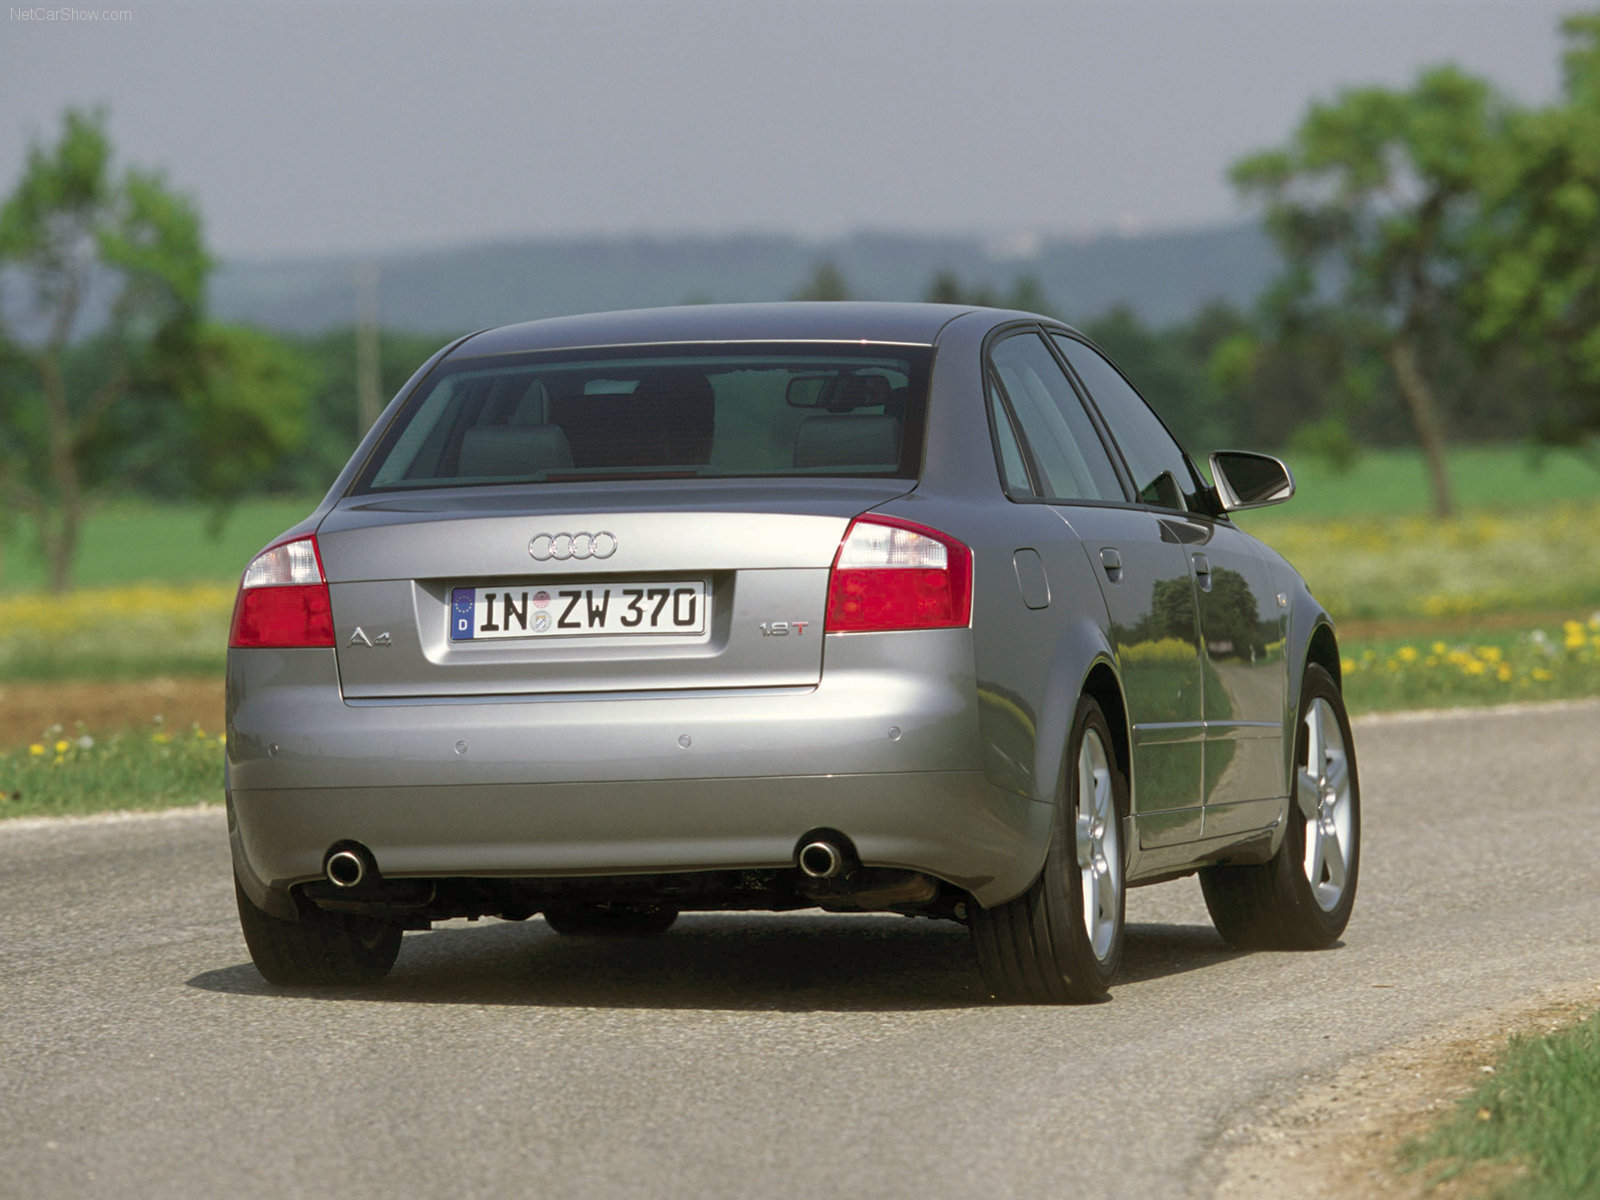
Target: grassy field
<point x="138" y="541"/>
<point x="1394" y="483"/>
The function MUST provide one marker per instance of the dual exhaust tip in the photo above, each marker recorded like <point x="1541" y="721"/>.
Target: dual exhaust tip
<point x="350" y="866"/>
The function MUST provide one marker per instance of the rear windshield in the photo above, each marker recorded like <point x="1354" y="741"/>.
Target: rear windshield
<point x="691" y="413"/>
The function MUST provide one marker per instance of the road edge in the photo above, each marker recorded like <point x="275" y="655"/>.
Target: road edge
<point x="118" y="817"/>
<point x="1338" y="1139"/>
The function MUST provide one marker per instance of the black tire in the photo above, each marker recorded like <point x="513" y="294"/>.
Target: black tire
<point x="579" y="919"/>
<point x="1301" y="901"/>
<point x="342" y="949"/>
<point x="1040" y="948"/>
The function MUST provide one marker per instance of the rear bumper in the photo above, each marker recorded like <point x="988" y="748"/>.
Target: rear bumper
<point x="623" y="784"/>
<point x="956" y="826"/>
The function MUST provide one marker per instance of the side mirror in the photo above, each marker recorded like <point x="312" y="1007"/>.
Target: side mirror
<point x="1246" y="480"/>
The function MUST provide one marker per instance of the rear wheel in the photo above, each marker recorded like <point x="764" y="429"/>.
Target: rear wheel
<point x="610" y="920"/>
<point x="319" y="948"/>
<point x="1301" y="900"/>
<point x="1061" y="940"/>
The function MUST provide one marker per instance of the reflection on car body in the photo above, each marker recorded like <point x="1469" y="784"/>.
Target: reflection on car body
<point x="911" y="608"/>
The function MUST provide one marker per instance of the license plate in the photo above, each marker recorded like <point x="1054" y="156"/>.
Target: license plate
<point x="581" y="610"/>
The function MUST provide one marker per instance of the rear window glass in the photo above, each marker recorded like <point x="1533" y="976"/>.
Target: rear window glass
<point x="761" y="411"/>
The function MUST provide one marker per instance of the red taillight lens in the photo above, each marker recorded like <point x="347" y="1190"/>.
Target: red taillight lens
<point x="893" y="574"/>
<point x="283" y="599"/>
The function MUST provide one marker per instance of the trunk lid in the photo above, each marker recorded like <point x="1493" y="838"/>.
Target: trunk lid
<point x="680" y="585"/>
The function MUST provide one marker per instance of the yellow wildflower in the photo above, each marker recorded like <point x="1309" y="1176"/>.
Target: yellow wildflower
<point x="36" y="750"/>
<point x="63" y="746"/>
<point x="1489" y="654"/>
<point x="1504" y="672"/>
<point x="161" y="739"/>
<point x="1440" y="649"/>
<point x="1408" y="654"/>
<point x="1542" y="675"/>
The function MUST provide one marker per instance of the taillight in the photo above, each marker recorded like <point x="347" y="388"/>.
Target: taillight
<point x="283" y="598"/>
<point x="893" y="574"/>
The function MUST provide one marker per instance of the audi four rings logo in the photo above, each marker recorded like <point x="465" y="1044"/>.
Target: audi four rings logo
<point x="562" y="546"/>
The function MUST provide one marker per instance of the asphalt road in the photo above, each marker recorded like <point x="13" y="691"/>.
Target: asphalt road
<point x="141" y="1054"/>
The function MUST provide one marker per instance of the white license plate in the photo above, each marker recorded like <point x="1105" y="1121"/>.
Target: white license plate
<point x="578" y="610"/>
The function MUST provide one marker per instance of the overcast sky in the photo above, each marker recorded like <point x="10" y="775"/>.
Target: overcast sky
<point x="345" y="127"/>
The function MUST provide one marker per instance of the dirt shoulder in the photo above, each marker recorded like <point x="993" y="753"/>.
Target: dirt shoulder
<point x="27" y="710"/>
<point x="1339" y="1140"/>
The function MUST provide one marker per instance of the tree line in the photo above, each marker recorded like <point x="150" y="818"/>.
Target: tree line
<point x="1440" y="281"/>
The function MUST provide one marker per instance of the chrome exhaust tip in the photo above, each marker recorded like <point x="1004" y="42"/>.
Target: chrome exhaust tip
<point x="346" y="869"/>
<point x="821" y="860"/>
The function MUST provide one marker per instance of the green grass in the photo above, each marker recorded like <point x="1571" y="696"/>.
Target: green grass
<point x="133" y="541"/>
<point x="1539" y="1112"/>
<point x="1420" y="570"/>
<point x="72" y="772"/>
<point x="1395" y="482"/>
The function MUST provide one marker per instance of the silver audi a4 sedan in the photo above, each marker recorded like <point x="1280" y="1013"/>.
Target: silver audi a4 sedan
<point x="864" y="607"/>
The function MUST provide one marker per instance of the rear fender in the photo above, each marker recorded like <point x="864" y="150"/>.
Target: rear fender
<point x="1080" y="650"/>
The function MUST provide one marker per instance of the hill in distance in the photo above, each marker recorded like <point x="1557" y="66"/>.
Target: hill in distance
<point x="1163" y="277"/>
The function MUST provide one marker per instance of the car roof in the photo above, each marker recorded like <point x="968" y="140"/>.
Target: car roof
<point x="794" y="321"/>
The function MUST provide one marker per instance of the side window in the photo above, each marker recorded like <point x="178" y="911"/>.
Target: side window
<point x="1068" y="456"/>
<point x="1013" y="470"/>
<point x="1161" y="470"/>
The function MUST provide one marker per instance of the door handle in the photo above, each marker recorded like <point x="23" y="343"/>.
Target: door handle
<point x="1111" y="561"/>
<point x="1202" y="571"/>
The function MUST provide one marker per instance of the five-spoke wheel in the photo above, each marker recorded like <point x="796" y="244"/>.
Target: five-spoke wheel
<point x="1061" y="940"/>
<point x="1301" y="899"/>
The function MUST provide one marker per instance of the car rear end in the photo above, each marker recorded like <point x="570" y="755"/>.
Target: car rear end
<point x="629" y="623"/>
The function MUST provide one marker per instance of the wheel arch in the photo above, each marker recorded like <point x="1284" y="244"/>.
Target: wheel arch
<point x="1105" y="689"/>
<point x="1323" y="649"/>
<point x="1082" y="665"/>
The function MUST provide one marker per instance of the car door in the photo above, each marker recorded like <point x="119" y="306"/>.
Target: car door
<point x="1241" y="616"/>
<point x="1052" y="451"/>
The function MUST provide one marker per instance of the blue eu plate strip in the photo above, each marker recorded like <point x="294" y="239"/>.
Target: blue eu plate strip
<point x="462" y="602"/>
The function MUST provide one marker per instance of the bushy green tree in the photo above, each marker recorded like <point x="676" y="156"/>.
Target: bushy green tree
<point x="1373" y="203"/>
<point x="1539" y="290"/>
<point x="102" y="288"/>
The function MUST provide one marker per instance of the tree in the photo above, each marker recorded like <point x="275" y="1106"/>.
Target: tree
<point x="826" y="283"/>
<point x="1372" y="203"/>
<point x="946" y="288"/>
<point x="1026" y="293"/>
<point x="1539" y="293"/>
<point x="106" y="366"/>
